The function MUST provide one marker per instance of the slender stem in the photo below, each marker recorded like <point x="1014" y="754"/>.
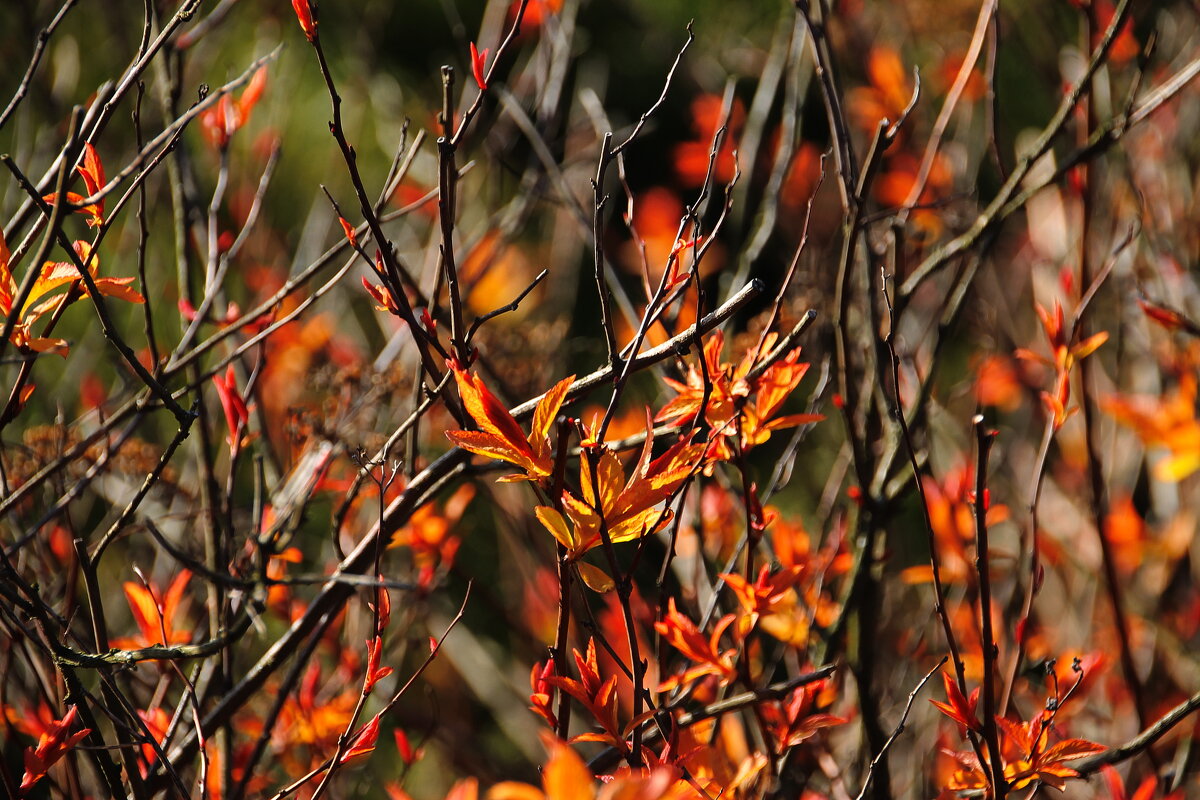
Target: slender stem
<point x="565" y="574"/>
<point x="984" y="438"/>
<point x="899" y="729"/>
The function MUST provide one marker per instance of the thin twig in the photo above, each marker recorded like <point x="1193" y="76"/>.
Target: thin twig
<point x="912" y="696"/>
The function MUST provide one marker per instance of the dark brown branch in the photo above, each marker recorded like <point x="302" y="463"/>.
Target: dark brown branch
<point x="1143" y="741"/>
<point x="984" y="438"/>
<point x="337" y="592"/>
<point x="608" y="759"/>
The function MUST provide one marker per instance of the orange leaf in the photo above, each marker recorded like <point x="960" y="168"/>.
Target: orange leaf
<point x="959" y="709"/>
<point x="499" y="436"/>
<point x="466" y="789"/>
<point x="8" y="288"/>
<point x="92" y="170"/>
<point x="350" y="232"/>
<point x="565" y="776"/>
<point x="1071" y="749"/>
<point x="512" y="790"/>
<point x="119" y="288"/>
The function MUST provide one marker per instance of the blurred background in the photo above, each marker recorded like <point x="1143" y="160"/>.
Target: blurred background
<point x="339" y="378"/>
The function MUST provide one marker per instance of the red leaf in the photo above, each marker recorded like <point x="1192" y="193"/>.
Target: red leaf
<point x="1168" y="318"/>
<point x="305" y="16"/>
<point x="52" y="745"/>
<point x="237" y="416"/>
<point x="364" y="742"/>
<point x="375" y="673"/>
<point x="385" y="609"/>
<point x="477" y="62"/>
<point x="404" y="747"/>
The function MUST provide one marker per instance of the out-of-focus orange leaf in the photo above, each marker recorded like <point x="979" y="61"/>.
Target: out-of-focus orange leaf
<point x="536" y="12"/>
<point x="948" y="70"/>
<point x="279" y="595"/>
<point x="157" y="722"/>
<point x="223" y="119"/>
<point x="802" y="175"/>
<point x="1064" y="354"/>
<point x="1168" y="422"/>
<point x="408" y="754"/>
<point x="494" y="271"/>
<point x="1116" y="785"/>
<point x="896" y="183"/>
<point x="692" y="158"/>
<point x="313" y="718"/>
<point x="997" y="383"/>
<point x="429" y="534"/>
<point x="565" y="777"/>
<point x="952" y="517"/>
<point x="31" y="721"/>
<point x="157" y="624"/>
<point x="887" y="93"/>
<point x="1125" y="46"/>
<point x="1125" y="531"/>
<point x="416" y="198"/>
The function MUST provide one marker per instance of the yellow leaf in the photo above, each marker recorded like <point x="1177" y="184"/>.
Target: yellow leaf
<point x="596" y="579"/>
<point x="547" y="410"/>
<point x="1178" y="466"/>
<point x="554" y="522"/>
